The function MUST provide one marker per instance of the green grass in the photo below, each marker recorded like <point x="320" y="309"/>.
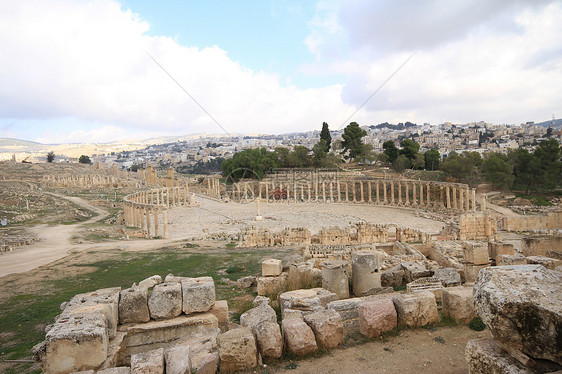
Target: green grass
<point x="536" y="200"/>
<point x="23" y="317"/>
<point x="476" y="324"/>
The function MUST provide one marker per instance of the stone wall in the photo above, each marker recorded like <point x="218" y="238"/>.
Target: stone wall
<point x="476" y="226"/>
<point x="552" y="220"/>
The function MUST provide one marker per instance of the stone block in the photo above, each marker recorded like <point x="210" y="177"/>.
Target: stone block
<point x="77" y="343"/>
<point x="198" y="294"/>
<point x="298" y="337"/>
<point x="151" y="281"/>
<point x="133" y="305"/>
<point x="485" y="356"/>
<point x="498" y="248"/>
<point x="237" y="350"/>
<point x="269" y="340"/>
<point x="471" y="271"/>
<point x="204" y="355"/>
<point x="178" y="360"/>
<point x="365" y="274"/>
<point x="245" y="282"/>
<point x="271" y="268"/>
<point x="151" y="362"/>
<point x="144" y="337"/>
<point x="475" y="253"/>
<point x="206" y="363"/>
<point x="547" y="262"/>
<point x="449" y="277"/>
<point x="349" y="313"/>
<point x="377" y="317"/>
<point x="416" y="309"/>
<point x="253" y="317"/>
<point x="516" y="259"/>
<point x="430" y="284"/>
<point x="307" y="301"/>
<point x="107" y="296"/>
<point x="259" y="300"/>
<point x="413" y="271"/>
<point x="170" y="278"/>
<point x="116" y="370"/>
<point x="272" y="286"/>
<point x="335" y="278"/>
<point x="393" y="278"/>
<point x="458" y="303"/>
<point x="292" y="313"/>
<point x="522" y="307"/>
<point x="327" y="326"/>
<point x="220" y="310"/>
<point x="165" y="301"/>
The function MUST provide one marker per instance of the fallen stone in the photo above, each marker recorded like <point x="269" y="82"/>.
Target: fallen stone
<point x="416" y="309"/>
<point x="458" y="303"/>
<point x="377" y="317"/>
<point x="77" y="343"/>
<point x="298" y="337"/>
<point x="116" y="370"/>
<point x="259" y="300"/>
<point x="327" y="326"/>
<point x="198" y="294"/>
<point x="496" y="249"/>
<point x="307" y="301"/>
<point x="547" y="262"/>
<point x="271" y="268"/>
<point x="517" y="259"/>
<point x="246" y="282"/>
<point x="237" y="350"/>
<point x="220" y="310"/>
<point x="253" y="317"/>
<point x="170" y="278"/>
<point x="178" y="360"/>
<point x="522" y="307"/>
<point x="393" y="278"/>
<point x="272" y="286"/>
<point x="471" y="271"/>
<point x="475" y="252"/>
<point x="151" y="362"/>
<point x="292" y="313"/>
<point x="165" y="301"/>
<point x="485" y="356"/>
<point x="449" y="277"/>
<point x="269" y="340"/>
<point x="133" y="305"/>
<point x="413" y="271"/>
<point x="151" y="281"/>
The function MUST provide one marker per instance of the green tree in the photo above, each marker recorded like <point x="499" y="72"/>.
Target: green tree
<point x="325" y="135"/>
<point x="549" y="170"/>
<point x="409" y="149"/>
<point x="299" y="157"/>
<point x="390" y="150"/>
<point x="249" y="163"/>
<point x="319" y="155"/>
<point x="353" y="140"/>
<point x="432" y="159"/>
<point x="525" y="169"/>
<point x="497" y="169"/>
<point x="418" y="162"/>
<point x="84" y="160"/>
<point x="464" y="167"/>
<point x="401" y="163"/>
<point x="50" y="156"/>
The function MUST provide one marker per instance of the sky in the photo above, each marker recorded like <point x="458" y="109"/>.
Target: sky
<point x="76" y="71"/>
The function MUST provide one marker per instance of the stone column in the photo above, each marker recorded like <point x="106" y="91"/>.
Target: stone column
<point x="365" y="271"/>
<point x="415" y="202"/>
<point x="377" y="191"/>
<point x="167" y="196"/>
<point x="339" y="191"/>
<point x="316" y="190"/>
<point x="455" y="206"/>
<point x="148" y="226"/>
<point x="267" y="191"/>
<point x="400" y="193"/>
<point x="483" y="205"/>
<point x="165" y="222"/>
<point x="354" y="186"/>
<point x="308" y="188"/>
<point x="428" y="191"/>
<point x="362" y="193"/>
<point x="331" y="186"/>
<point x="461" y="198"/>
<point x="142" y="219"/>
<point x="323" y="191"/>
<point x="448" y="194"/>
<point x="156" y="227"/>
<point x="384" y="192"/>
<point x="392" y="192"/>
<point x="346" y="191"/>
<point x="407" y="194"/>
<point x="467" y="199"/>
<point x="474" y="199"/>
<point x="302" y="193"/>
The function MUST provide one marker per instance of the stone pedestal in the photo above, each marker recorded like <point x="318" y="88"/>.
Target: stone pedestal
<point x="365" y="272"/>
<point x="335" y="279"/>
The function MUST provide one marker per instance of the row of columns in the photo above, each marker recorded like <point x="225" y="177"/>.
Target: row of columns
<point x="406" y="193"/>
<point x="82" y="180"/>
<point x="213" y="187"/>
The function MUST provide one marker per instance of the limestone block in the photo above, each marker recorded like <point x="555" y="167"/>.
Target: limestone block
<point x="143" y="337"/>
<point x="116" y="370"/>
<point x="269" y="339"/>
<point x="307" y="301"/>
<point x="178" y="360"/>
<point x="316" y="276"/>
<point x="449" y="277"/>
<point x="133" y="305"/>
<point x="393" y="278"/>
<point x="272" y="286"/>
<point x="517" y="259"/>
<point x="327" y="326"/>
<point x="107" y="296"/>
<point x="471" y="271"/>
<point x="413" y="271"/>
<point x="151" y="362"/>
<point x="206" y="363"/>
<point x="547" y="262"/>
<point x="220" y="310"/>
<point x="498" y="248"/>
<point x="475" y="252"/>
<point x="377" y="317"/>
<point x="253" y="317"/>
<point x="292" y="313"/>
<point x="245" y="282"/>
<point x="165" y="301"/>
<point x="486" y="356"/>
<point x="259" y="300"/>
<point x="170" y="278"/>
<point x="204" y="355"/>
<point x="151" y="281"/>
<point x="300" y="275"/>
<point x="77" y="343"/>
<point x="271" y="268"/>
<point x="365" y="271"/>
<point x="416" y="309"/>
<point x="298" y="337"/>
<point x="237" y="350"/>
<point x="198" y="294"/>
<point x="522" y="306"/>
<point x="349" y="313"/>
<point x="335" y="279"/>
<point x="458" y="304"/>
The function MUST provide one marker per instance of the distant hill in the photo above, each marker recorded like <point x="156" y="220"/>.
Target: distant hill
<point x="400" y="126"/>
<point x="8" y="142"/>
<point x="557" y="123"/>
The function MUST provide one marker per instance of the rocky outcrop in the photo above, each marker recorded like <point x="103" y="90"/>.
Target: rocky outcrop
<point x="522" y="306"/>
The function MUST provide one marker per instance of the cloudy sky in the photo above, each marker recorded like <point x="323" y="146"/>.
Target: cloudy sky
<point x="81" y="70"/>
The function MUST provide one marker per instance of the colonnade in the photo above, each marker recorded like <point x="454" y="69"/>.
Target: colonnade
<point x="142" y="209"/>
<point x="420" y="194"/>
<point x="84" y="180"/>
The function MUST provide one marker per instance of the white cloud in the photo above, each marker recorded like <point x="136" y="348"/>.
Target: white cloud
<point x="87" y="60"/>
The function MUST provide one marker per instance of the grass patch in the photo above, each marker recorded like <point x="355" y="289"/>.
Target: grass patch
<point x="231" y="245"/>
<point x="399" y="288"/>
<point x="476" y="324"/>
<point x="447" y="322"/>
<point x="536" y="200"/>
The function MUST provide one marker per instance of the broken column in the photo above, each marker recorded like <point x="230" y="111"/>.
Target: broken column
<point x="365" y="272"/>
<point x="335" y="278"/>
